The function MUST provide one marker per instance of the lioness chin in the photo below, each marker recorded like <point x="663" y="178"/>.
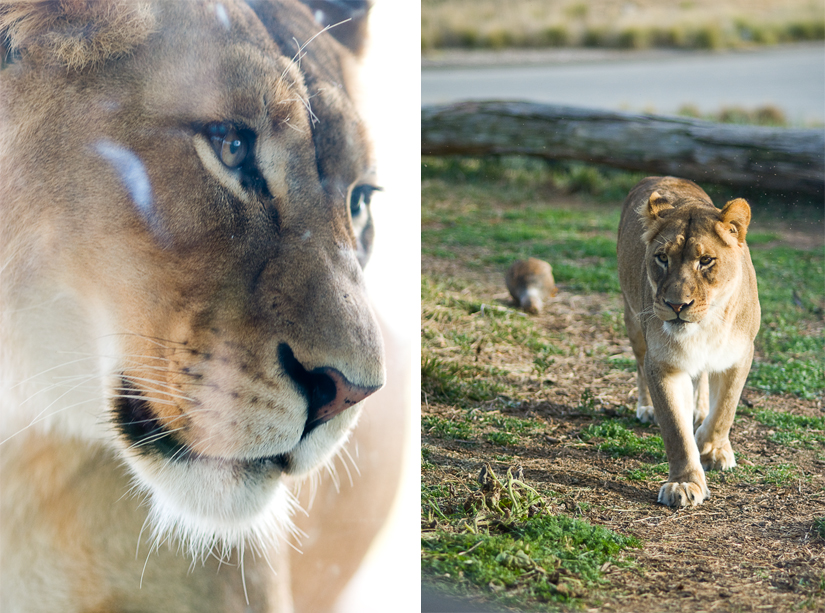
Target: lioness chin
<point x="691" y="308"/>
<point x="184" y="330"/>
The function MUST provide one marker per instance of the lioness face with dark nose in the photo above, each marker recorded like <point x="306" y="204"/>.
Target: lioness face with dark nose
<point x="187" y="213"/>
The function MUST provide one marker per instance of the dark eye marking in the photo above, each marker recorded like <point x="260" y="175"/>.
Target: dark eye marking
<point x="234" y="146"/>
<point x="360" y="198"/>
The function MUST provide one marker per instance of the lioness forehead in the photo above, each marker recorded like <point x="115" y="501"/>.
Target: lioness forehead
<point x="690" y="227"/>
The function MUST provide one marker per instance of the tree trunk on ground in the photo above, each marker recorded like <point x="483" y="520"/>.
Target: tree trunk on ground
<point x="786" y="159"/>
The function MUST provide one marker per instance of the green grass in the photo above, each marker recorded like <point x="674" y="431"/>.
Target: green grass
<point x="453" y="383"/>
<point x="789" y="297"/>
<point x="616" y="438"/>
<point x="547" y="558"/>
<point x="447" y="428"/>
<point x="794" y="430"/>
<point x="622" y="363"/>
<point x="509" y="431"/>
<point x="819" y="529"/>
<point x="781" y="474"/>
<point x="648" y="472"/>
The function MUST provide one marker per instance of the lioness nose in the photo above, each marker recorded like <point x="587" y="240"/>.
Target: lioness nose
<point x="338" y="398"/>
<point x="677" y="307"/>
<point x="327" y="390"/>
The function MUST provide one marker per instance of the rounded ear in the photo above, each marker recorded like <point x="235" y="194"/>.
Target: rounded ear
<point x="650" y="214"/>
<point x="655" y="205"/>
<point x="75" y="33"/>
<point x="735" y="218"/>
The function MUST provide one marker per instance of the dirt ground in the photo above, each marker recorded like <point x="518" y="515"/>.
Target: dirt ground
<point x="751" y="547"/>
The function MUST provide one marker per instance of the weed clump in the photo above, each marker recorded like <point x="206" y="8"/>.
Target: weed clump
<point x="504" y="539"/>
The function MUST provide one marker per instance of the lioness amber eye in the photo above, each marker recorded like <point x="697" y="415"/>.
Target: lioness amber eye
<point x="662" y="258"/>
<point x="230" y="145"/>
<point x="705" y="260"/>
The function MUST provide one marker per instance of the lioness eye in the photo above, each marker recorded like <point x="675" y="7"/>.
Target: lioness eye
<point x="662" y="258"/>
<point x="360" y="198"/>
<point x="230" y="145"/>
<point x="705" y="260"/>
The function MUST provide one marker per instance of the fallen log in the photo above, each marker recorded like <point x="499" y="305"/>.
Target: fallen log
<point x="784" y="159"/>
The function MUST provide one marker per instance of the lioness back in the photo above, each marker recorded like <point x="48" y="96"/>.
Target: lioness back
<point x="184" y="326"/>
<point x="691" y="312"/>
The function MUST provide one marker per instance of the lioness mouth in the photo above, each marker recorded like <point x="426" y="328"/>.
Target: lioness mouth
<point x="135" y="420"/>
<point x="146" y="433"/>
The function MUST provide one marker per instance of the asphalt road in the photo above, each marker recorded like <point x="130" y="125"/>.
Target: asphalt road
<point x="791" y="78"/>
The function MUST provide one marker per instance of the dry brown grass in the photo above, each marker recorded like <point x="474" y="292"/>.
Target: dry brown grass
<point x="618" y="23"/>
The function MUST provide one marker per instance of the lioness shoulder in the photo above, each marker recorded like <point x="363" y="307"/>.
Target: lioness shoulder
<point x="691" y="309"/>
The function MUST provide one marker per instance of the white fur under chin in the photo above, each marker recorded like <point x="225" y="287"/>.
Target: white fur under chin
<point x="223" y="524"/>
<point x="205" y="509"/>
<point x="682" y="330"/>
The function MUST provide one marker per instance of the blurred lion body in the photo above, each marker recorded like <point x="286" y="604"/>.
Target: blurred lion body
<point x="530" y="283"/>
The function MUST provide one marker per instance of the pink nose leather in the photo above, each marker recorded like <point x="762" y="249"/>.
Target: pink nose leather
<point x="346" y="395"/>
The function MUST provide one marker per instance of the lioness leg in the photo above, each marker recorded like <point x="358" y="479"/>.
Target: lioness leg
<point x="672" y="393"/>
<point x="701" y="403"/>
<point x="644" y="405"/>
<point x="712" y="436"/>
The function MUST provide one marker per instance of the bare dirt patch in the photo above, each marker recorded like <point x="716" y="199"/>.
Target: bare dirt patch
<point x="753" y="546"/>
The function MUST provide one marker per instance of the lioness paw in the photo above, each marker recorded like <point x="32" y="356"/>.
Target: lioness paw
<point x="718" y="458"/>
<point x="685" y="494"/>
<point x="713" y="453"/>
<point x="645" y="414"/>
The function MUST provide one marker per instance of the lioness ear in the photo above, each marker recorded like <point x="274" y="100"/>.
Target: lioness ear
<point x="649" y="213"/>
<point x="347" y="20"/>
<point x="656" y="204"/>
<point x="75" y="33"/>
<point x="735" y="218"/>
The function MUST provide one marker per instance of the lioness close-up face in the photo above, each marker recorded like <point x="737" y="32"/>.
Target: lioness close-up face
<point x="185" y="330"/>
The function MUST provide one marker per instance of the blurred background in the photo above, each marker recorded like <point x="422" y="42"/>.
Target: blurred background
<point x="694" y="57"/>
<point x="390" y="577"/>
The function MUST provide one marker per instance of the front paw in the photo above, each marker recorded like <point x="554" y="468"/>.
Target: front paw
<point x="645" y="414"/>
<point x="715" y="452"/>
<point x="685" y="494"/>
<point x="717" y="458"/>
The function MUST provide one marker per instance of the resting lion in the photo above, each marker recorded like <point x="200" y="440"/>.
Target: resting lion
<point x="530" y="282"/>
<point x="184" y="330"/>
<point x="692" y="312"/>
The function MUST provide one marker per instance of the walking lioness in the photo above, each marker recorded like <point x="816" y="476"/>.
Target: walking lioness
<point x="184" y="191"/>
<point x="691" y="309"/>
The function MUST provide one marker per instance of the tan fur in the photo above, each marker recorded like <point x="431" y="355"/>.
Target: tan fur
<point x="171" y="325"/>
<point x="680" y="258"/>
<point x="530" y="283"/>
